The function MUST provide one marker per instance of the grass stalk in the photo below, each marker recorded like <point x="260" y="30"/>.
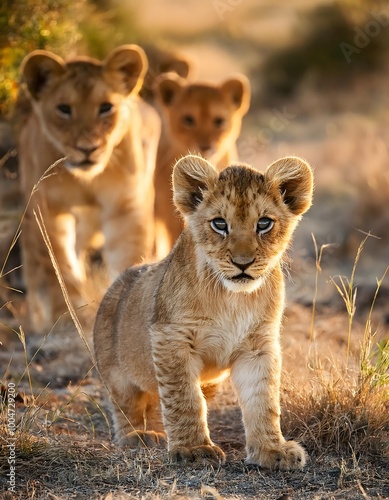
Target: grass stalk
<point x="318" y="270"/>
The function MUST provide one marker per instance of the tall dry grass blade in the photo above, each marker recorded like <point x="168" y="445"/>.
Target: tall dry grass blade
<point x="349" y="295"/>
<point x="71" y="309"/>
<point x="39" y="219"/>
<point x="348" y="291"/>
<point x="314" y="360"/>
<point x="317" y="271"/>
<point x="62" y="408"/>
<point x="22" y="338"/>
<point x="48" y="173"/>
<point x="29" y="362"/>
<point x="318" y="259"/>
<point x="373" y="375"/>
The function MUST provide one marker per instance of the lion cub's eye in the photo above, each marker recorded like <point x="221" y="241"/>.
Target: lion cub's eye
<point x="220" y="226"/>
<point x="188" y="120"/>
<point x="64" y="110"/>
<point x="219" y="122"/>
<point x="105" y="109"/>
<point x="264" y="225"/>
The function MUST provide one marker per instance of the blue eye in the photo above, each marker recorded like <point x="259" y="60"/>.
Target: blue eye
<point x="264" y="225"/>
<point x="220" y="226"/>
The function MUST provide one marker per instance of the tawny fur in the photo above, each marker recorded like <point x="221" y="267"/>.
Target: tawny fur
<point x="87" y="111"/>
<point x="163" y="60"/>
<point x="197" y="118"/>
<point x="165" y="330"/>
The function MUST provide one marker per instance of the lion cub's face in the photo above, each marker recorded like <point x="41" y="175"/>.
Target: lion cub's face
<point x="204" y="118"/>
<point x="242" y="220"/>
<point x="83" y="105"/>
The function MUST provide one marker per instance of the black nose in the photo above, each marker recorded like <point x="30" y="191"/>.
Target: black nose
<point x="205" y="148"/>
<point x="87" y="150"/>
<point x="243" y="265"/>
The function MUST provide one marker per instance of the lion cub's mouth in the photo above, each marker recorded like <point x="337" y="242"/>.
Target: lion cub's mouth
<point x="241" y="277"/>
<point x="82" y="164"/>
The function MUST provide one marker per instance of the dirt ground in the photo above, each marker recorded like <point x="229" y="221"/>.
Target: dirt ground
<point x="65" y="449"/>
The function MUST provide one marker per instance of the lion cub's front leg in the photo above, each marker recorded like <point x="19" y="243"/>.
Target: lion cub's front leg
<point x="183" y="404"/>
<point x="256" y="375"/>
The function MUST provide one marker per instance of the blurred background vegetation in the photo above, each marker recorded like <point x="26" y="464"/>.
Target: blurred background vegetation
<point x="311" y="54"/>
<point x="332" y="44"/>
<point x="65" y="27"/>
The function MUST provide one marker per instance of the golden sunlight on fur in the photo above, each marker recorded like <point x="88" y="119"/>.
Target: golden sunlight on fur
<point x="87" y="113"/>
<point x="168" y="332"/>
<point x="197" y="118"/>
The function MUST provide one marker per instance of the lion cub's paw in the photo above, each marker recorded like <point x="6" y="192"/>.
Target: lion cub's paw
<point x="290" y="455"/>
<point x="207" y="453"/>
<point x="143" y="439"/>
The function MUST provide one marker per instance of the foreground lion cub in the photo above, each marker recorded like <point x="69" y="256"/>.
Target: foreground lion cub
<point x="86" y="114"/>
<point x="211" y="308"/>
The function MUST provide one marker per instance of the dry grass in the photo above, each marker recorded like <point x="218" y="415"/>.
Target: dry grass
<point x="339" y="413"/>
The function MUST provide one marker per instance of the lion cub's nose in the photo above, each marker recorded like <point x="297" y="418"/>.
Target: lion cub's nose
<point x="242" y="263"/>
<point x="87" y="150"/>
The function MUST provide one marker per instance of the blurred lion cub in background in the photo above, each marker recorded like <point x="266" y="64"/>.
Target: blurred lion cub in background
<point x="212" y="307"/>
<point x="86" y="114"/>
<point x="197" y="118"/>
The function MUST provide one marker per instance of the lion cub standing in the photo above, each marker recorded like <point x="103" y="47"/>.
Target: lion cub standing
<point x="212" y="307"/>
<point x="85" y="115"/>
<point x="197" y="118"/>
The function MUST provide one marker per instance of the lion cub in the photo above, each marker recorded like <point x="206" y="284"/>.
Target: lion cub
<point x="197" y="118"/>
<point x="211" y="308"/>
<point x="84" y="115"/>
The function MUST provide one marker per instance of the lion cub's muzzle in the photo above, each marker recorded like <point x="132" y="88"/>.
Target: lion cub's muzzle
<point x="242" y="263"/>
<point x="84" y="158"/>
<point x="86" y="153"/>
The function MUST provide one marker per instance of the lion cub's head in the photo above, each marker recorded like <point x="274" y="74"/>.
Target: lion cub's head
<point x="203" y="118"/>
<point x="241" y="220"/>
<point x="83" y="105"/>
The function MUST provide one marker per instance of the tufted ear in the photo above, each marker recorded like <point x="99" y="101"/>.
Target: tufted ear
<point x="237" y="90"/>
<point x="167" y="87"/>
<point x="38" y="68"/>
<point x="130" y="63"/>
<point x="192" y="175"/>
<point x="292" y="179"/>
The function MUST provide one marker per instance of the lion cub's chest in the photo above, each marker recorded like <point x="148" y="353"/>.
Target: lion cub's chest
<point x="216" y="340"/>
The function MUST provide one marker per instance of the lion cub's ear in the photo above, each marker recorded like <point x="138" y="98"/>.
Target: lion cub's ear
<point x="192" y="175"/>
<point x="130" y="62"/>
<point x="237" y="90"/>
<point x="176" y="64"/>
<point x="292" y="179"/>
<point x="167" y="87"/>
<point x="38" y="68"/>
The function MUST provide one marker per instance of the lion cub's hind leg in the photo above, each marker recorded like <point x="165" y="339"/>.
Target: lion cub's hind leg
<point x="137" y="420"/>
